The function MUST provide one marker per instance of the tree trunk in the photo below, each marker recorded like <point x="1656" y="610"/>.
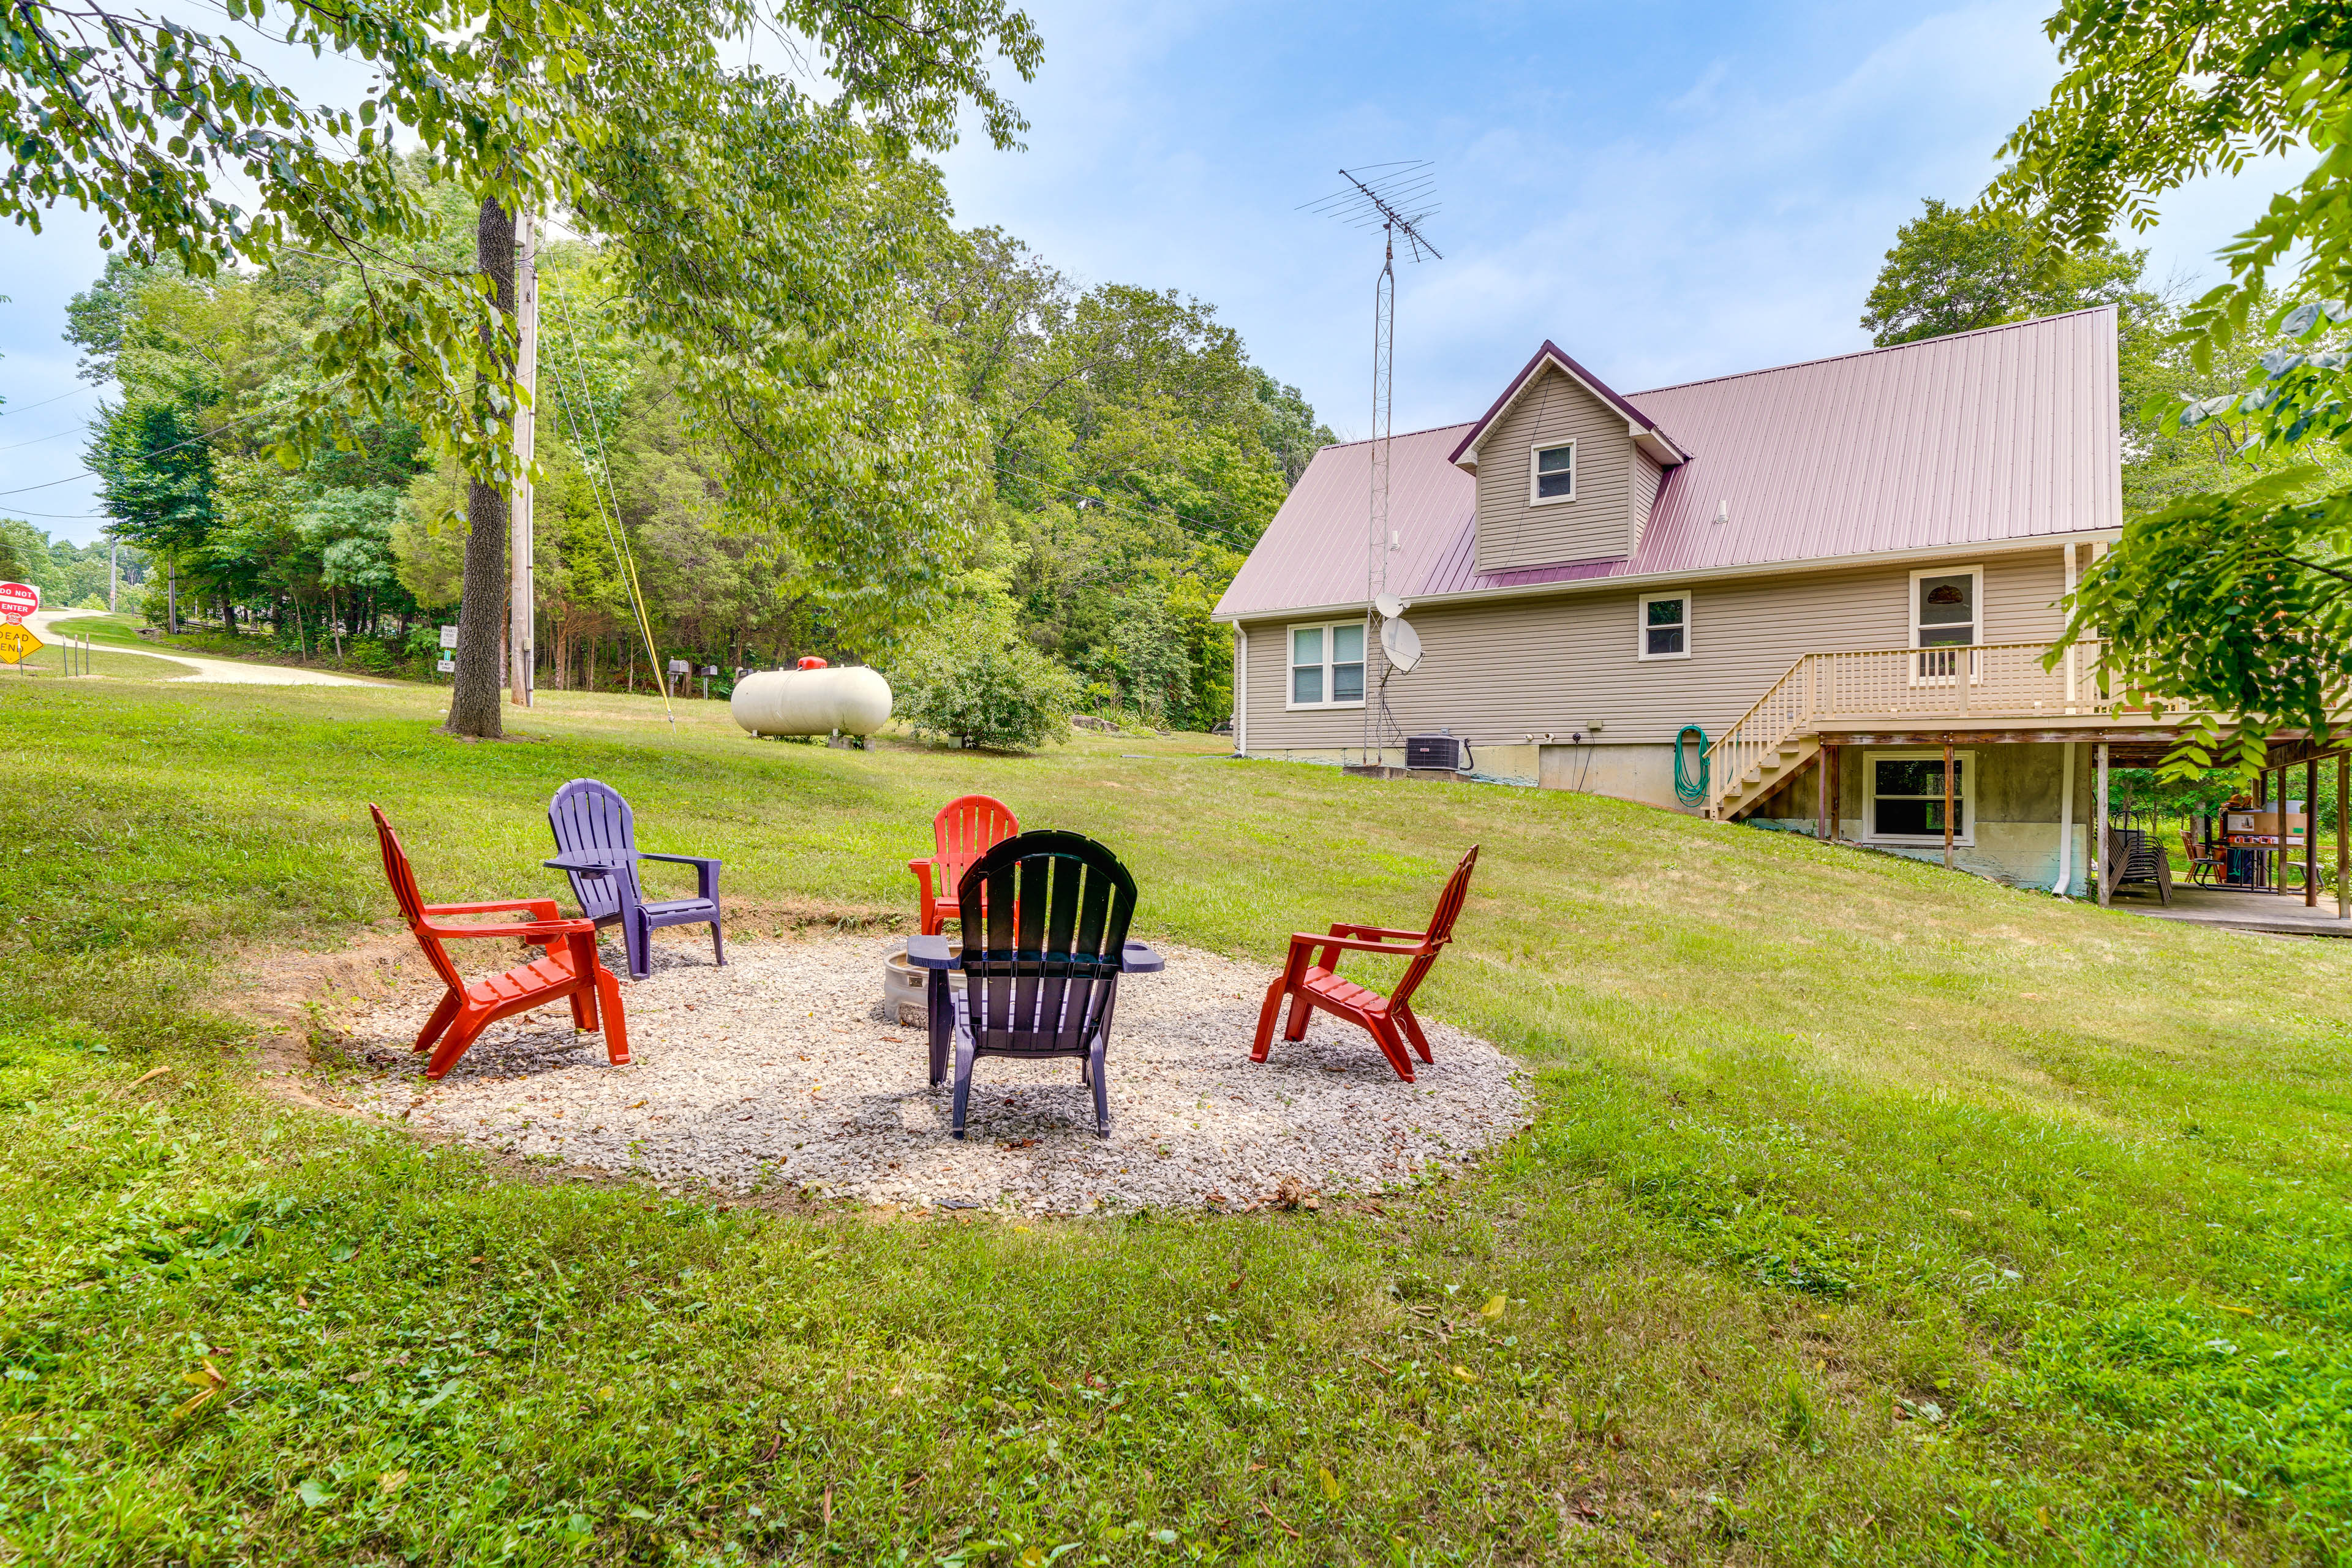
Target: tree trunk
<point x="172" y="595"/>
<point x="482" y="604"/>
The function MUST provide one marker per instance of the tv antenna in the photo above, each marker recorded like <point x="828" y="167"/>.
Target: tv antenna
<point x="1398" y="198"/>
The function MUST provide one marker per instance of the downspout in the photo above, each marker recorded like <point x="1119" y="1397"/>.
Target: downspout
<point x="1241" y="689"/>
<point x="2065" y="824"/>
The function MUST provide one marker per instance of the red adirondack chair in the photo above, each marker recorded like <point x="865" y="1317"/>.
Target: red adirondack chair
<point x="1311" y="980"/>
<point x="966" y="829"/>
<point x="569" y="968"/>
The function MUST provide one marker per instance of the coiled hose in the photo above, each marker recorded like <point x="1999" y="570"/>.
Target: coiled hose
<point x="1690" y="788"/>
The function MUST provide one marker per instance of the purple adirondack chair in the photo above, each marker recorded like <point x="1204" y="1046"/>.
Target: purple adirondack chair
<point x="598" y="841"/>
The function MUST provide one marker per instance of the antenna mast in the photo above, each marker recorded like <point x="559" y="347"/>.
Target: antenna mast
<point x="1396" y="198"/>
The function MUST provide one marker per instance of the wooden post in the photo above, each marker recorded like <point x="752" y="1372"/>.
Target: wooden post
<point x="2310" y="832"/>
<point x="1948" y="795"/>
<point x="2099" y="825"/>
<point x="1822" y="795"/>
<point x="1837" y="787"/>
<point x="2277" y="810"/>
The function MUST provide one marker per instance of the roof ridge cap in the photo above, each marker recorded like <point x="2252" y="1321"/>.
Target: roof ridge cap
<point x="1873" y="348"/>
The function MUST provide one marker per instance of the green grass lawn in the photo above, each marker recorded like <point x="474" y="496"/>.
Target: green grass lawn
<point x="1871" y="1213"/>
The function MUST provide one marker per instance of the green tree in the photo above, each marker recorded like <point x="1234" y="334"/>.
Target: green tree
<point x="1138" y="453"/>
<point x="2236" y="600"/>
<point x="755" y="256"/>
<point x="154" y="470"/>
<point x="1954" y="269"/>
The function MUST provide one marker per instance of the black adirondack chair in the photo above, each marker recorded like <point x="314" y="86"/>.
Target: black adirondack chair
<point x="598" y="841"/>
<point x="1040" y="963"/>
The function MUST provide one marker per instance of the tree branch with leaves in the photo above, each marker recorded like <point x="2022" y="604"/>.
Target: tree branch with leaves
<point x="2222" y="601"/>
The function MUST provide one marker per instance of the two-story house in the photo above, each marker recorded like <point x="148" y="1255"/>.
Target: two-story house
<point x="1825" y="578"/>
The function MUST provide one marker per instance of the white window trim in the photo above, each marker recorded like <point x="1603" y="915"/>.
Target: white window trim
<point x="1575" y="471"/>
<point x="1977" y="634"/>
<point x="1290" y="654"/>
<point x="1965" y="796"/>
<point x="1641" y="627"/>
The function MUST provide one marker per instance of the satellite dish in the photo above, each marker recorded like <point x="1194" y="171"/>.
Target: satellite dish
<point x="1388" y="606"/>
<point x="1402" y="644"/>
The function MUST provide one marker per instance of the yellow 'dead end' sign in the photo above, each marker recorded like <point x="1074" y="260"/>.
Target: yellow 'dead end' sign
<point x="17" y="644"/>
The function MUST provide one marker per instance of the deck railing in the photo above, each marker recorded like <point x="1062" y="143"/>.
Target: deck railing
<point x="1988" y="681"/>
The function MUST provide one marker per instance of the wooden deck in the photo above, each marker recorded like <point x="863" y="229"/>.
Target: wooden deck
<point x="1988" y="693"/>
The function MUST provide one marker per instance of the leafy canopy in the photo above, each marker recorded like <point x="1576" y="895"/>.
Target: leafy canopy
<point x="582" y="107"/>
<point x="2224" y="599"/>
<point x="1954" y="269"/>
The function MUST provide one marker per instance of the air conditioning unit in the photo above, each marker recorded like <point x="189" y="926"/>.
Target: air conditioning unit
<point x="1448" y="751"/>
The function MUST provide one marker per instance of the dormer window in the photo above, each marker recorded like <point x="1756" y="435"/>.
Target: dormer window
<point x="1551" y="474"/>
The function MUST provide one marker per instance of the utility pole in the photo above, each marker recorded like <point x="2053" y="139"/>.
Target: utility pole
<point x="113" y="571"/>
<point x="520" y="599"/>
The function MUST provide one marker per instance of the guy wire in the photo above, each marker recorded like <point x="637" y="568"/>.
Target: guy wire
<point x="616" y="537"/>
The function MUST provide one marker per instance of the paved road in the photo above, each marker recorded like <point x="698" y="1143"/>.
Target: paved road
<point x="230" y="670"/>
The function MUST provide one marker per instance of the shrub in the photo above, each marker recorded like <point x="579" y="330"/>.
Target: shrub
<point x="1003" y="695"/>
<point x="369" y="654"/>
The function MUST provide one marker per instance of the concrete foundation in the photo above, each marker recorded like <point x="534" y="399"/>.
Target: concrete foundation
<point x="1643" y="773"/>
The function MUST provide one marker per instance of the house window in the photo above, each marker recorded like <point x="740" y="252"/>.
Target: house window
<point x="1551" y="474"/>
<point x="1905" y="802"/>
<point x="1664" y="627"/>
<point x="1944" y="616"/>
<point x="1326" y="665"/>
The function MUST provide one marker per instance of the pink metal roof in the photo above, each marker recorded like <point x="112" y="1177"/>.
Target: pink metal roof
<point x="1984" y="437"/>
<point x="1318" y="546"/>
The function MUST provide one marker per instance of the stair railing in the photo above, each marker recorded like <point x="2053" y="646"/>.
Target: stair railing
<point x="1759" y="732"/>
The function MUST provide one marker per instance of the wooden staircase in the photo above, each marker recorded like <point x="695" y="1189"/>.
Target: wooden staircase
<point x="1765" y="748"/>
<point x="1774" y="766"/>
<point x="1987" y="685"/>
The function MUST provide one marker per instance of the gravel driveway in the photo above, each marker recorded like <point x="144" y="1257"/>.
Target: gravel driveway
<point x="779" y="1073"/>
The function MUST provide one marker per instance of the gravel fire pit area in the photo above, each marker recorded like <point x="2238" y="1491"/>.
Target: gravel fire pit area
<point x="782" y="1072"/>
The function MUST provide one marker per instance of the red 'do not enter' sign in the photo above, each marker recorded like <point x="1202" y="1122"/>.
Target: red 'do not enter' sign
<point x="18" y="600"/>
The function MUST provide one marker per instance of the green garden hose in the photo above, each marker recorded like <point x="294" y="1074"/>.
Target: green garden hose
<point x="1689" y="787"/>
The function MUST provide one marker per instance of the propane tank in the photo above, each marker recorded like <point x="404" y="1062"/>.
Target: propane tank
<point x="814" y="700"/>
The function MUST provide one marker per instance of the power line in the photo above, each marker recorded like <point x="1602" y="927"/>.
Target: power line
<point x="619" y="540"/>
<point x="44" y="402"/>
<point x="93" y="473"/>
<point x="36" y="440"/>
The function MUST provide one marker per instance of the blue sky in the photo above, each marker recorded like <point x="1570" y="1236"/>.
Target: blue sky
<point x="1668" y="191"/>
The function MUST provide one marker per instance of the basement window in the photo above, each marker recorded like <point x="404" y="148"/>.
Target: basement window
<point x="1551" y="474"/>
<point x="1326" y="665"/>
<point x="1904" y="796"/>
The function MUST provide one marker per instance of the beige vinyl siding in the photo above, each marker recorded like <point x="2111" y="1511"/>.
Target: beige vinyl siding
<point x="2019" y="593"/>
<point x="1641" y="494"/>
<point x="1598" y="524"/>
<point x="1501" y="669"/>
